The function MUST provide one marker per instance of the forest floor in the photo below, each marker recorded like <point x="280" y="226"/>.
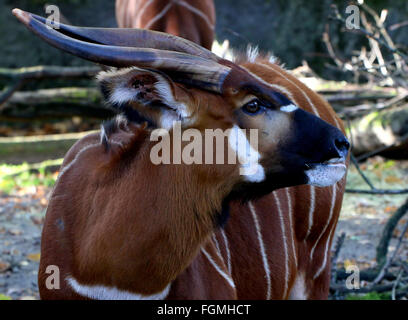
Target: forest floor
<point x="23" y="203"/>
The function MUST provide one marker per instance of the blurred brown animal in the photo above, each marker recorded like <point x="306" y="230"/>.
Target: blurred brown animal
<point x="190" y="19"/>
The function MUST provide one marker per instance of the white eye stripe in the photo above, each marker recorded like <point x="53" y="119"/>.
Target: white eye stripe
<point x="289" y="108"/>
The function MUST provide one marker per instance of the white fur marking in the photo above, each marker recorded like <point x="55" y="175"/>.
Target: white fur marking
<point x="68" y="166"/>
<point x="197" y="12"/>
<point x="252" y="53"/>
<point x="263" y="251"/>
<point x="122" y="95"/>
<point x="298" y="291"/>
<point x="217" y="245"/>
<point x="222" y="273"/>
<point x="285" y="243"/>
<point x="274" y="86"/>
<point x="326" y="252"/>
<point x="247" y="155"/>
<point x="304" y="94"/>
<point x="324" y="175"/>
<point x="107" y="293"/>
<point x="290" y="215"/>
<point x="328" y="220"/>
<point x="290" y="108"/>
<point x="227" y="250"/>
<point x="159" y="16"/>
<point x="142" y="10"/>
<point x="311" y="210"/>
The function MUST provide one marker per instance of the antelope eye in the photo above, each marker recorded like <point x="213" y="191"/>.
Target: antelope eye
<point x="253" y="108"/>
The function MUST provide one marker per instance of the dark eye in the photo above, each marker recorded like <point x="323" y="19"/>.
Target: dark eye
<point x="253" y="108"/>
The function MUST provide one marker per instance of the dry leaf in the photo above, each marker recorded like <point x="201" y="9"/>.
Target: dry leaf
<point x="34" y="257"/>
<point x="393" y="179"/>
<point x="4" y="266"/>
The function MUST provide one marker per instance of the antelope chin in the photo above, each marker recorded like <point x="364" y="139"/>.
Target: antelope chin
<point x="326" y="174"/>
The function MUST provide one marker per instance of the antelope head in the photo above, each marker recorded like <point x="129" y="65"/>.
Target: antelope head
<point x="161" y="78"/>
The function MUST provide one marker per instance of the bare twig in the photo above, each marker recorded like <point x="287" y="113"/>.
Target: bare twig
<point x="338" y="17"/>
<point x="43" y="72"/>
<point x="9" y="91"/>
<point x="398" y="25"/>
<point x="382" y="248"/>
<point x="20" y="76"/>
<point x="396" y="284"/>
<point x="377" y="191"/>
<point x="389" y="261"/>
<point x="355" y="162"/>
<point x="352" y="111"/>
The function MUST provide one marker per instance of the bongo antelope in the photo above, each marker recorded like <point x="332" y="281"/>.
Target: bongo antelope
<point x="190" y="19"/>
<point x="119" y="227"/>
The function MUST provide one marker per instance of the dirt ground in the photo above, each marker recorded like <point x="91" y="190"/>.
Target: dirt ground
<point x="362" y="219"/>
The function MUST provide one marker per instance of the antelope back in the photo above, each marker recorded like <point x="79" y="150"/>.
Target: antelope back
<point x="189" y="19"/>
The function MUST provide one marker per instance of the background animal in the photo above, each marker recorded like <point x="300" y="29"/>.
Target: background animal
<point x="189" y="19"/>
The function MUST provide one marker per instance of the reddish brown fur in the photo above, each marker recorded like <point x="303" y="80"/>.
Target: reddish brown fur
<point x="178" y="20"/>
<point x="99" y="247"/>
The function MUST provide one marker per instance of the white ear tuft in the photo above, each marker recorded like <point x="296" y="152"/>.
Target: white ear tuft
<point x="252" y="53"/>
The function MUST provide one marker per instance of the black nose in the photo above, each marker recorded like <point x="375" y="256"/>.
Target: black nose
<point x="342" y="146"/>
<point x="337" y="145"/>
<point x="316" y="140"/>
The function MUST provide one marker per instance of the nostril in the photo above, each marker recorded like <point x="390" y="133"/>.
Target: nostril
<point x="342" y="145"/>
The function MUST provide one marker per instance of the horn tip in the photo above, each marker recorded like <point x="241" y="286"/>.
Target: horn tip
<point x="21" y="15"/>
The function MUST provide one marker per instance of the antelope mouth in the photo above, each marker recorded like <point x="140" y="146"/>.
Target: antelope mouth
<point x="326" y="173"/>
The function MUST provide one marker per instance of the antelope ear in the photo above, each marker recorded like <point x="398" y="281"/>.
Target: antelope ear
<point x="148" y="93"/>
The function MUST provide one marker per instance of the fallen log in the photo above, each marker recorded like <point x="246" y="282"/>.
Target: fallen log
<point x="56" y="103"/>
<point x="37" y="148"/>
<point x="18" y="77"/>
<point x="385" y="131"/>
<point x="44" y="72"/>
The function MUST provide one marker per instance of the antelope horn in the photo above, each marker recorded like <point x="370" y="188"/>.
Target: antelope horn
<point x="196" y="70"/>
<point x="139" y="38"/>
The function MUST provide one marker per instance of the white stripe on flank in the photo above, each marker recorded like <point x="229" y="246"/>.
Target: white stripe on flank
<point x="311" y="210"/>
<point x="222" y="273"/>
<point x="68" y="166"/>
<point x="292" y="236"/>
<point x="263" y="251"/>
<point x="285" y="244"/>
<point x="159" y="15"/>
<point x="109" y="293"/>
<point x="217" y="245"/>
<point x="197" y="12"/>
<point x="326" y="254"/>
<point x="227" y="250"/>
<point x="333" y="202"/>
<point x="142" y="10"/>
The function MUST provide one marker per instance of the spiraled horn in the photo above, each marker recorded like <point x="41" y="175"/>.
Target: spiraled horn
<point x="138" y="38"/>
<point x="88" y="44"/>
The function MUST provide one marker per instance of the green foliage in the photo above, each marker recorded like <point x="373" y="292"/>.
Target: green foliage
<point x="369" y="296"/>
<point x="25" y="175"/>
<point x="4" y="297"/>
